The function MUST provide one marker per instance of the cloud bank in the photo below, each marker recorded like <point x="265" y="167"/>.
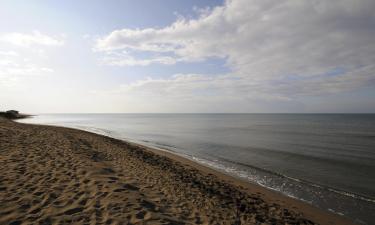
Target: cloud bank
<point x="15" y="69"/>
<point x="19" y="56"/>
<point x="30" y="39"/>
<point x="275" y="49"/>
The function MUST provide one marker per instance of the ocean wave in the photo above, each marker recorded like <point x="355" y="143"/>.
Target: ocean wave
<point x="306" y="182"/>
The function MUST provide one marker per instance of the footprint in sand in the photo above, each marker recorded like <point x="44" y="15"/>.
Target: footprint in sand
<point x="130" y="187"/>
<point x="73" y="211"/>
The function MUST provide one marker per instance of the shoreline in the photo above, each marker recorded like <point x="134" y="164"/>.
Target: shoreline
<point x="271" y="199"/>
<point x="311" y="212"/>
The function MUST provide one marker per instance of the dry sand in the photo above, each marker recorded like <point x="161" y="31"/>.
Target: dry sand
<point x="55" y="175"/>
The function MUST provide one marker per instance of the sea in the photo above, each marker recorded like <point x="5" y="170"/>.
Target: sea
<point x="326" y="160"/>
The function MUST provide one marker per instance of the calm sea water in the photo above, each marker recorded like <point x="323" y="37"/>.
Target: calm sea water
<point x="327" y="160"/>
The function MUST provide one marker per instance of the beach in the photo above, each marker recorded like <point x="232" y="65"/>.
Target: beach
<point x="57" y="175"/>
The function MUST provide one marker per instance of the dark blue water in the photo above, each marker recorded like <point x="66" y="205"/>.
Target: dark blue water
<point x="327" y="160"/>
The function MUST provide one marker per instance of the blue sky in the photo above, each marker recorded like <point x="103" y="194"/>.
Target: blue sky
<point x="187" y="56"/>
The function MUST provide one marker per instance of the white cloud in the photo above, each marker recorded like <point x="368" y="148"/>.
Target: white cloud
<point x="20" y="66"/>
<point x="8" y="53"/>
<point x="30" y="39"/>
<point x="127" y="60"/>
<point x="15" y="70"/>
<point x="227" y="93"/>
<point x="280" y="49"/>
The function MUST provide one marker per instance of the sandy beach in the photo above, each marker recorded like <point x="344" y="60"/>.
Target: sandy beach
<point x="56" y="175"/>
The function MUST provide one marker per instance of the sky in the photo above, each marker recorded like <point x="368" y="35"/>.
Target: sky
<point x="197" y="56"/>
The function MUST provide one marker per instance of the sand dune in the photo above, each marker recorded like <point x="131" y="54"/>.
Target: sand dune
<point x="53" y="175"/>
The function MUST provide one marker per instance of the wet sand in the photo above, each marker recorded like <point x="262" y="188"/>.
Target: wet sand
<point x="56" y="175"/>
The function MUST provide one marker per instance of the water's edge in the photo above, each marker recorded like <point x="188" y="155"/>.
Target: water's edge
<point x="241" y="175"/>
<point x="351" y="205"/>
